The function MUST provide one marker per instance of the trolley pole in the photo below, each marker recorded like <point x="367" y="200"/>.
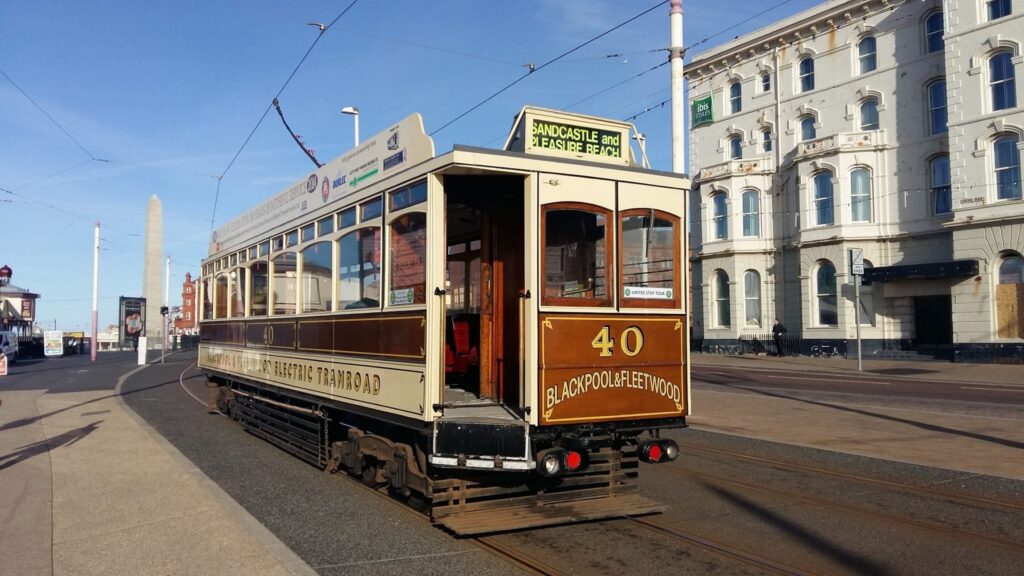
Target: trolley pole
<point x="678" y="95"/>
<point x="95" y="292"/>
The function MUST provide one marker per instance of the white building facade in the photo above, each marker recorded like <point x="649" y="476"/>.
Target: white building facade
<point x="893" y="128"/>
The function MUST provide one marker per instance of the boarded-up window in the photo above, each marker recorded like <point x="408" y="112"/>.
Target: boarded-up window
<point x="1010" y="298"/>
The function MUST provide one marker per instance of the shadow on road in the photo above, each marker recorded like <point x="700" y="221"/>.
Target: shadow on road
<point x="914" y="423"/>
<point x="845" y="557"/>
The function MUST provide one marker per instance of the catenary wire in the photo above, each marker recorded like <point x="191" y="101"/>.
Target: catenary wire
<point x="533" y="69"/>
<point x="51" y="118"/>
<point x="323" y="30"/>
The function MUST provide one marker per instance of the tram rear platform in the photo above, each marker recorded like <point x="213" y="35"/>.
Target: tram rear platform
<point x="71" y="505"/>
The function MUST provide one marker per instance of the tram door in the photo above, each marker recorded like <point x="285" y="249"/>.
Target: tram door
<point x="484" y="276"/>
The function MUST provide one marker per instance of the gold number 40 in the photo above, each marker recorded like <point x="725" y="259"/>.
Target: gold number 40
<point x="631" y="341"/>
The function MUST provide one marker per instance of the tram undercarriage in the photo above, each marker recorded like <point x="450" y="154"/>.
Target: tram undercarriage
<point x="395" y="458"/>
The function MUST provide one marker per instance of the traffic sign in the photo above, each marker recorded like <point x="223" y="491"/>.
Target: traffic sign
<point x="857" y="261"/>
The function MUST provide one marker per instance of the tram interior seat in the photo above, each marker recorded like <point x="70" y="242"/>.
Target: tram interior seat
<point x="462" y="351"/>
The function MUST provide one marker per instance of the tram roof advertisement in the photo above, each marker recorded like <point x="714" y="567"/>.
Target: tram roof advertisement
<point x="570" y="135"/>
<point x="401" y="146"/>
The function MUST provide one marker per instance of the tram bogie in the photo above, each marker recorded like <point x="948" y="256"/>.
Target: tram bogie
<point x="485" y="330"/>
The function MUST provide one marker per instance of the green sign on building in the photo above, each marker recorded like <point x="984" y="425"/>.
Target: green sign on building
<point x="702" y="112"/>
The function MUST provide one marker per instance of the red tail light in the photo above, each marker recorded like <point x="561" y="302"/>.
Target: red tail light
<point x="573" y="461"/>
<point x="655" y="451"/>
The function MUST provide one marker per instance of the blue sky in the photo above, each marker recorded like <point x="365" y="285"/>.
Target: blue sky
<point x="158" y="97"/>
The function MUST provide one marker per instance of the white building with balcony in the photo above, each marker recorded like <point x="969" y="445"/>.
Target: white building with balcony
<point x="892" y="127"/>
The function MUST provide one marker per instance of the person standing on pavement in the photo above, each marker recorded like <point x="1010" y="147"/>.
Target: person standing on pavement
<point x="777" y="331"/>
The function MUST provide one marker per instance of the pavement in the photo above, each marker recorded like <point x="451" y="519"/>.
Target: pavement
<point x="87" y="487"/>
<point x="986" y="439"/>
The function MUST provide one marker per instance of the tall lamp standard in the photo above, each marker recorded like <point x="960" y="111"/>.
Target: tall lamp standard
<point x="354" y="113"/>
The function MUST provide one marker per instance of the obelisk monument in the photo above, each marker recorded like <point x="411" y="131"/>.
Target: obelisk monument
<point x="152" y="272"/>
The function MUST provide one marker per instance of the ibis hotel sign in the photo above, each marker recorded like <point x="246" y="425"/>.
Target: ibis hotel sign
<point x="402" y="145"/>
<point x="702" y="111"/>
<point x="568" y="135"/>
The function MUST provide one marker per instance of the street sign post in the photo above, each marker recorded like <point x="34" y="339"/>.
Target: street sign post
<point x="857" y="271"/>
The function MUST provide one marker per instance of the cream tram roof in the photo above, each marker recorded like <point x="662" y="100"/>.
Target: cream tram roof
<point x="536" y="131"/>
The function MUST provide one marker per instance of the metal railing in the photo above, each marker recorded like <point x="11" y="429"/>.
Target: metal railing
<point x="764" y="343"/>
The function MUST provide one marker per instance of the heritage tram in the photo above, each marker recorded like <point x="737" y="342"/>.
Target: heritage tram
<point x="501" y="334"/>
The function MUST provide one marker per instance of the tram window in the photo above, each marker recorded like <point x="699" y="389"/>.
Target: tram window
<point x="576" y="250"/>
<point x="308" y="232"/>
<point x="238" y="292"/>
<point x="283" y="283"/>
<point x="220" y="297"/>
<point x="265" y="248"/>
<point x="316" y="278"/>
<point x="370" y="210"/>
<point x="233" y="260"/>
<point x="408" y="257"/>
<point x="252" y="252"/>
<point x="216" y="266"/>
<point x="277" y="243"/>
<point x="474" y="245"/>
<point x="649" y="252"/>
<point x="207" y="303"/>
<point x="258" y="298"/>
<point x="292" y="238"/>
<point x="359" y="269"/>
<point x="347" y="218"/>
<point x="409" y="196"/>
<point x="241" y="257"/>
<point x="325" y="226"/>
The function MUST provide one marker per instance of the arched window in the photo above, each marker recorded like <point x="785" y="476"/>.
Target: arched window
<point x="933" y="30"/>
<point x="866" y="55"/>
<point x="766" y="82"/>
<point x="723" y="319"/>
<point x="807" y="129"/>
<point x="238" y="292"/>
<point x="869" y="114"/>
<point x="766" y="140"/>
<point x="1001" y="80"/>
<point x="736" y="147"/>
<point x="735" y="97"/>
<point x="807" y="74"/>
<point x="860" y="195"/>
<point x="998" y="9"/>
<point x="823" y="198"/>
<point x="721" y="216"/>
<point x="316" y="277"/>
<point x="258" y="297"/>
<point x="282" y="283"/>
<point x="751" y="214"/>
<point x="1007" y="167"/>
<point x="752" y="298"/>
<point x="937" y="118"/>
<point x="942" y="193"/>
<point x="1010" y="297"/>
<point x="828" y="300"/>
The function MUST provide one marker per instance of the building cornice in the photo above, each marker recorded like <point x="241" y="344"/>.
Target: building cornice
<point x="795" y="30"/>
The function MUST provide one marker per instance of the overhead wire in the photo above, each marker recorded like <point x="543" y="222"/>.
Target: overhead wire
<point x="532" y="68"/>
<point x="323" y="30"/>
<point x="51" y="118"/>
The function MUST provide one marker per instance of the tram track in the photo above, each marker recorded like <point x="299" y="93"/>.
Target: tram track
<point x="721" y="548"/>
<point x="890" y="519"/>
<point x="898" y="486"/>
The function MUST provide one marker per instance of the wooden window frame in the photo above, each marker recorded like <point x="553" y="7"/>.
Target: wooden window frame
<point x="611" y="276"/>
<point x="677" y="276"/>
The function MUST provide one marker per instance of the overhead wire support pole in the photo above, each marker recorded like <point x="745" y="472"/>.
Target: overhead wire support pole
<point x="676" y="53"/>
<point x="95" y="291"/>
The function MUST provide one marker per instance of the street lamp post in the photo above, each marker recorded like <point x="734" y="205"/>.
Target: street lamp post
<point x="354" y="113"/>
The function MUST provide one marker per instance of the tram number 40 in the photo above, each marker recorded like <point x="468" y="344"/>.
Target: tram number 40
<point x="631" y="341"/>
